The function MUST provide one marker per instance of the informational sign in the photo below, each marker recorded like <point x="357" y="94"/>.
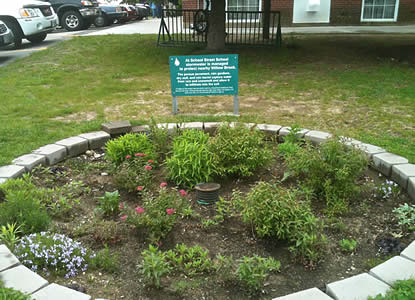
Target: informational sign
<point x="204" y="75"/>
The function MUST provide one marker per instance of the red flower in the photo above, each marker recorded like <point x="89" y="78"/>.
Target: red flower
<point x="140" y="154"/>
<point x="170" y="211"/>
<point x="183" y="192"/>
<point x="163" y="184"/>
<point x="128" y="156"/>
<point x="148" y="168"/>
<point x="123" y="218"/>
<point x="150" y="161"/>
<point x="121" y="206"/>
<point x="139" y="210"/>
<point x="140" y="188"/>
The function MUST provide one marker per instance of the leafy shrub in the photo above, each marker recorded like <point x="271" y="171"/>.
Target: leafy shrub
<point x="191" y="161"/>
<point x="45" y="252"/>
<point x="9" y="235"/>
<point x="154" y="265"/>
<point x="189" y="260"/>
<point x="252" y="271"/>
<point x="21" y="208"/>
<point x="135" y="171"/>
<point x="109" y="203"/>
<point x="127" y="145"/>
<point x="280" y="213"/>
<point x="12" y="294"/>
<point x="102" y="231"/>
<point x="160" y="139"/>
<point x="106" y="261"/>
<point x="331" y="171"/>
<point x="239" y="150"/>
<point x="401" y="290"/>
<point x="406" y="215"/>
<point x="158" y="214"/>
<point x="288" y="149"/>
<point x="348" y="245"/>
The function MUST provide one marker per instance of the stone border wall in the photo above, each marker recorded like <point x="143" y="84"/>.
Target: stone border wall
<point x="378" y="280"/>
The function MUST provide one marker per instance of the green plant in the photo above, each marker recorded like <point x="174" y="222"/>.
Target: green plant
<point x="239" y="150"/>
<point x="191" y="161"/>
<point x="160" y="139"/>
<point x="348" y="245"/>
<point x="9" y="235"/>
<point x="288" y="149"/>
<point x="401" y="290"/>
<point x="12" y="294"/>
<point x="21" y="208"/>
<point x="331" y="171"/>
<point x="106" y="261"/>
<point x="109" y="203"/>
<point x="406" y="215"/>
<point x="189" y="260"/>
<point x="386" y="190"/>
<point x="252" y="271"/>
<point x="373" y="262"/>
<point x="224" y="267"/>
<point x="293" y="136"/>
<point x="128" y="145"/>
<point x="154" y="265"/>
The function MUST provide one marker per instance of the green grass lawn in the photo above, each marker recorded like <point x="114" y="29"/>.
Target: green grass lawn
<point x="359" y="86"/>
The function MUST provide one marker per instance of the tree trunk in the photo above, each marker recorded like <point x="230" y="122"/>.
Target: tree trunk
<point x="266" y="19"/>
<point x="216" y="30"/>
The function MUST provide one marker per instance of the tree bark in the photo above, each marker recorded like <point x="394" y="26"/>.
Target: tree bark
<point x="266" y="19"/>
<point x="216" y="30"/>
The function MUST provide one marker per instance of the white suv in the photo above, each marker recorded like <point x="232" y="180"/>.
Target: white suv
<point x="28" y="19"/>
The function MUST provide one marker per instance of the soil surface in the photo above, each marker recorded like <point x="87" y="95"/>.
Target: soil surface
<point x="369" y="222"/>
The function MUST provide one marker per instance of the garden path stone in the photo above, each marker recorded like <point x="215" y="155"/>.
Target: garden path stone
<point x="141" y="129"/>
<point x="383" y="162"/>
<point x="11" y="171"/>
<point x="210" y="127"/>
<point x="310" y="294"/>
<point x="96" y="139"/>
<point x="7" y="259"/>
<point x="402" y="173"/>
<point x="29" y="161"/>
<point x="269" y="130"/>
<point x="170" y="126"/>
<point x="58" y="292"/>
<point x="358" y="287"/>
<point x="191" y="125"/>
<point x="317" y="137"/>
<point x="3" y="180"/>
<point x="409" y="251"/>
<point x="411" y="187"/>
<point x="22" y="279"/>
<point x="350" y="142"/>
<point x="117" y="128"/>
<point x="370" y="150"/>
<point x="286" y="130"/>
<point x="396" y="268"/>
<point x="53" y="153"/>
<point x="74" y="145"/>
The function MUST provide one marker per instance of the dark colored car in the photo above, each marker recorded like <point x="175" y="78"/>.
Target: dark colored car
<point x="6" y="35"/>
<point x="75" y="14"/>
<point x="143" y="10"/>
<point x="109" y="14"/>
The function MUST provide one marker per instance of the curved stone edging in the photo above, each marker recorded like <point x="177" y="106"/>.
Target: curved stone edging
<point x="378" y="280"/>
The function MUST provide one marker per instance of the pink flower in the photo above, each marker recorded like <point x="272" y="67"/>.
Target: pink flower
<point x="148" y="168"/>
<point x="128" y="156"/>
<point x="140" y="154"/>
<point x="170" y="211"/>
<point x="123" y="218"/>
<point x="150" y="161"/>
<point x="139" y="210"/>
<point x="121" y="205"/>
<point x="183" y="192"/>
<point x="140" y="188"/>
<point x="163" y="184"/>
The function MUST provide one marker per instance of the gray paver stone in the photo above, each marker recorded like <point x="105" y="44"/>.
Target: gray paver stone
<point x="22" y="279"/>
<point x="350" y="141"/>
<point x="74" y="145"/>
<point x="269" y="130"/>
<point x="191" y="125"/>
<point x="396" y="268"/>
<point x="317" y="137"/>
<point x="409" y="251"/>
<point x="29" y="161"/>
<point x="170" y="126"/>
<point x="358" y="287"/>
<point x="210" y="127"/>
<point x="286" y="130"/>
<point x="411" y="187"/>
<point x="310" y="294"/>
<point x="141" y="129"/>
<point x="7" y="259"/>
<point x="58" y="292"/>
<point x="401" y="174"/>
<point x="11" y="171"/>
<point x="96" y="139"/>
<point x="53" y="153"/>
<point x="3" y="180"/>
<point x="383" y="162"/>
<point x="370" y="150"/>
<point x="116" y="128"/>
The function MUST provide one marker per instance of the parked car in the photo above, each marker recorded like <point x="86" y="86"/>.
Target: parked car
<point x="75" y="14"/>
<point x="143" y="10"/>
<point x="28" y="19"/>
<point x="131" y="12"/>
<point x="109" y="14"/>
<point x="6" y="35"/>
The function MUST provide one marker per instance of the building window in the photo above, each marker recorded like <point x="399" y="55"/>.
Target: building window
<point x="243" y="5"/>
<point x="380" y="10"/>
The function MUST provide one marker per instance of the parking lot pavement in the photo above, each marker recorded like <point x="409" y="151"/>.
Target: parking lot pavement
<point x="150" y="26"/>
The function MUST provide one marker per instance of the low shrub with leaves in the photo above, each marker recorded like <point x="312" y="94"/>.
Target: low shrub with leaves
<point x="127" y="145"/>
<point x="401" y="290"/>
<point x="12" y="294"/>
<point x="405" y="214"/>
<point x="154" y="265"/>
<point x="332" y="171"/>
<point x="284" y="214"/>
<point x="348" y="245"/>
<point x="46" y="252"/>
<point x="135" y="172"/>
<point x="109" y="203"/>
<point x="102" y="231"/>
<point x="9" y="235"/>
<point x="239" y="150"/>
<point x="161" y="140"/>
<point x="191" y="161"/>
<point x="158" y="214"/>
<point x="105" y="261"/>
<point x="189" y="260"/>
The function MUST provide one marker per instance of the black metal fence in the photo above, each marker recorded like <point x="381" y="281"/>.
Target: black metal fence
<point x="242" y="28"/>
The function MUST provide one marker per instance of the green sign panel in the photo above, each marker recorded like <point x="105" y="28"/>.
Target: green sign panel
<point x="204" y="75"/>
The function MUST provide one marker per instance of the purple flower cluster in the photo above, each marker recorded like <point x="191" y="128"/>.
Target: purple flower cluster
<point x="386" y="189"/>
<point x="53" y="252"/>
